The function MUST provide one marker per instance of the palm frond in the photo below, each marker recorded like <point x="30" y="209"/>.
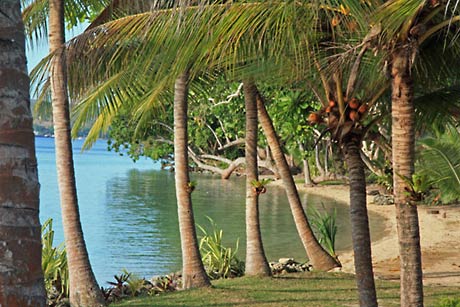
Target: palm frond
<point x="35" y="15"/>
<point x="441" y="162"/>
<point x="437" y="108"/>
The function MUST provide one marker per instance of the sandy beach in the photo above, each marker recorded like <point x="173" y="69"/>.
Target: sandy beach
<point x="440" y="240"/>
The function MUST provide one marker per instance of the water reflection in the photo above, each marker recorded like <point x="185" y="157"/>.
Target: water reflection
<point x="144" y="234"/>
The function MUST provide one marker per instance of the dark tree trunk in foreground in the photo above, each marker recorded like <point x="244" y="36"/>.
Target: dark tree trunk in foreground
<point x="403" y="165"/>
<point x="359" y="223"/>
<point x="193" y="273"/>
<point x="256" y="262"/>
<point x="319" y="258"/>
<point x="84" y="290"/>
<point x="21" y="276"/>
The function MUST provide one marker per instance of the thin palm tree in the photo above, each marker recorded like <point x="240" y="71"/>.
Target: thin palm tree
<point x="83" y="290"/>
<point x="256" y="261"/>
<point x="410" y="39"/>
<point x="318" y="257"/>
<point x="406" y="35"/>
<point x="21" y="277"/>
<point x="193" y="272"/>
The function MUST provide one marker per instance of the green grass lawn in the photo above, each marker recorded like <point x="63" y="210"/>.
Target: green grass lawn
<point x="313" y="289"/>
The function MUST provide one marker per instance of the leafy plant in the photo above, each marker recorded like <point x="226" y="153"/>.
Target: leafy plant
<point x="325" y="226"/>
<point x="440" y="161"/>
<point x="418" y="186"/>
<point x="219" y="261"/>
<point x="165" y="283"/>
<point x="259" y="185"/>
<point x="134" y="283"/>
<point x="54" y="264"/>
<point x="119" y="285"/>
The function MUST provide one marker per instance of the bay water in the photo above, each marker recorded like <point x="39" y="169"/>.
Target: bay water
<point x="129" y="215"/>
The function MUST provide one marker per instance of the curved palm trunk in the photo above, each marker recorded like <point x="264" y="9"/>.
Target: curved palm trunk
<point x="193" y="273"/>
<point x="319" y="258"/>
<point x="84" y="290"/>
<point x="21" y="276"/>
<point x="256" y="262"/>
<point x="359" y="224"/>
<point x="403" y="165"/>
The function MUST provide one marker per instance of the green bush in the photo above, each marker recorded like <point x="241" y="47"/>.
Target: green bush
<point x="219" y="261"/>
<point x="448" y="302"/>
<point x="54" y="264"/>
<point x="325" y="227"/>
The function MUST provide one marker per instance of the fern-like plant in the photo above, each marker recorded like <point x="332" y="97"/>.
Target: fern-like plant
<point x="440" y="160"/>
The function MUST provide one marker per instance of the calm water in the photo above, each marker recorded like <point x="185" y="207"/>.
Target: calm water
<point x="129" y="214"/>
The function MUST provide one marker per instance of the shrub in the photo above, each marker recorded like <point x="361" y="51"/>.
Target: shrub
<point x="325" y="226"/>
<point x="219" y="261"/>
<point x="54" y="265"/>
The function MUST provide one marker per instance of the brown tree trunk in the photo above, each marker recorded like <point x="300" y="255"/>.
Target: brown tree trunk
<point x="359" y="223"/>
<point x="403" y="165"/>
<point x="318" y="163"/>
<point x="193" y="273"/>
<point x="319" y="258"/>
<point x="21" y="276"/>
<point x="256" y="262"/>
<point x="84" y="290"/>
<point x="306" y="169"/>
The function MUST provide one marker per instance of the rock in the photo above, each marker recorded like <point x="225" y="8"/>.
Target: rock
<point x="383" y="200"/>
<point x="289" y="265"/>
<point x="286" y="261"/>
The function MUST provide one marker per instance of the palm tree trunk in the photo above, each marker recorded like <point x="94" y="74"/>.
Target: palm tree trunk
<point x="193" y="273"/>
<point x="256" y="262"/>
<point x="306" y="169"/>
<point x="21" y="276"/>
<point x="318" y="163"/>
<point x="319" y="258"/>
<point x="84" y="290"/>
<point x="359" y="224"/>
<point x="403" y="165"/>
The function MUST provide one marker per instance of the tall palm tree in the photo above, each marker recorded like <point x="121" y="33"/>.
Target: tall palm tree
<point x="318" y="257"/>
<point x="83" y="290"/>
<point x="410" y="37"/>
<point x="256" y="262"/>
<point x="193" y="273"/>
<point x="21" y="277"/>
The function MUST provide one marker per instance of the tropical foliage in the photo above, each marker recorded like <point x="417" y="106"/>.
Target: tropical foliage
<point x="440" y="162"/>
<point x="325" y="225"/>
<point x="219" y="261"/>
<point x="54" y="264"/>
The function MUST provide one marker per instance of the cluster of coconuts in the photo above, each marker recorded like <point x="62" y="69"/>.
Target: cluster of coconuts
<point x="354" y="110"/>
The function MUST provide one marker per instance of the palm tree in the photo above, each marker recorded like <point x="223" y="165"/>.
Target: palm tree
<point x="318" y="257"/>
<point x="256" y="262"/>
<point x="84" y="290"/>
<point x="193" y="273"/>
<point x="411" y="42"/>
<point x="21" y="279"/>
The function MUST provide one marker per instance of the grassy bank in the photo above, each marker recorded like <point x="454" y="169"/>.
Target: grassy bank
<point x="304" y="289"/>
